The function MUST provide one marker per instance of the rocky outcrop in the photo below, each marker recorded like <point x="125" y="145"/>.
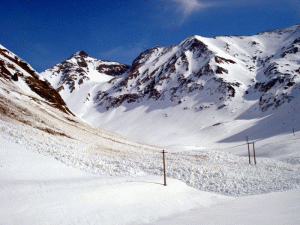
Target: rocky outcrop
<point x="15" y="70"/>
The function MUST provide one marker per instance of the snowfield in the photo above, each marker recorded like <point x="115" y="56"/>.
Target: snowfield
<point x="39" y="190"/>
<point x="199" y="92"/>
<point x="72" y="182"/>
<point x="55" y="168"/>
<point x="206" y="170"/>
<point x="275" y="208"/>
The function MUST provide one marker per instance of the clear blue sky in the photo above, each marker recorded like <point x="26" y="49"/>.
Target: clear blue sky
<point x="45" y="33"/>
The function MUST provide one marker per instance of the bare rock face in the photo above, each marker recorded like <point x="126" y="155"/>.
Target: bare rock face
<point x="113" y="70"/>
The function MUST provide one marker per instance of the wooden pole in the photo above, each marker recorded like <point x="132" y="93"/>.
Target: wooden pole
<point x="294" y="131"/>
<point x="249" y="153"/>
<point x="165" y="180"/>
<point x="247" y="142"/>
<point x="254" y="154"/>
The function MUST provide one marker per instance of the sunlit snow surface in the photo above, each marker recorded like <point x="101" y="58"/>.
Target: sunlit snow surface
<point x="275" y="208"/>
<point x="84" y="175"/>
<point x="40" y="190"/>
<point x="126" y="188"/>
<point x="205" y="117"/>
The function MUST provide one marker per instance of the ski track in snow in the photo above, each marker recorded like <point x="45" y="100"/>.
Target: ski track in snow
<point x="206" y="170"/>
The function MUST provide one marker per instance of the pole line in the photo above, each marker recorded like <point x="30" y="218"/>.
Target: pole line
<point x="165" y="180"/>
<point x="249" y="153"/>
<point x="247" y="142"/>
<point x="254" y="154"/>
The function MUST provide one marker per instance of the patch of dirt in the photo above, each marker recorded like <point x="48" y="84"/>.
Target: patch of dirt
<point x="53" y="132"/>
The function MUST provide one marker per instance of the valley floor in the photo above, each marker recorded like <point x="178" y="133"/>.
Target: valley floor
<point x="64" y="185"/>
<point x="40" y="190"/>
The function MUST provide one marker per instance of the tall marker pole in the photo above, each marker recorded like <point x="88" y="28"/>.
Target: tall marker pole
<point x="247" y="141"/>
<point x="165" y="180"/>
<point x="249" y="153"/>
<point x="254" y="154"/>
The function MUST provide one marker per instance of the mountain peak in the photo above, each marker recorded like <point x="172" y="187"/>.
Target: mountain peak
<point x="79" y="53"/>
<point x="291" y="29"/>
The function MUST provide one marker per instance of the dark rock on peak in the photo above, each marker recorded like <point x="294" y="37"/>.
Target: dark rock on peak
<point x="80" y="54"/>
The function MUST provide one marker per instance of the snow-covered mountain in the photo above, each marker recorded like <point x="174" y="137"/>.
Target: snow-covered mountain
<point x="80" y="76"/>
<point x="126" y="184"/>
<point x="28" y="100"/>
<point x="198" y="92"/>
<point x="18" y="75"/>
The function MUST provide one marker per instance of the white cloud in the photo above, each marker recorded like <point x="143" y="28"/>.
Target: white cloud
<point x="187" y="7"/>
<point x="174" y="13"/>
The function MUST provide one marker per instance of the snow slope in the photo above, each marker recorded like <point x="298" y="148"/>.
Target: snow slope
<point x="87" y="175"/>
<point x="275" y="209"/>
<point x="83" y="76"/>
<point x="37" y="189"/>
<point x="29" y="101"/>
<point x="33" y="121"/>
<point x="19" y="78"/>
<point x="206" y="170"/>
<point x="202" y="91"/>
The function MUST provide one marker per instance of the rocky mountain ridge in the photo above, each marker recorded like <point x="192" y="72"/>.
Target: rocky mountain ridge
<point x="195" y="65"/>
<point x="226" y="75"/>
<point x="29" y="103"/>
<point x="15" y="72"/>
